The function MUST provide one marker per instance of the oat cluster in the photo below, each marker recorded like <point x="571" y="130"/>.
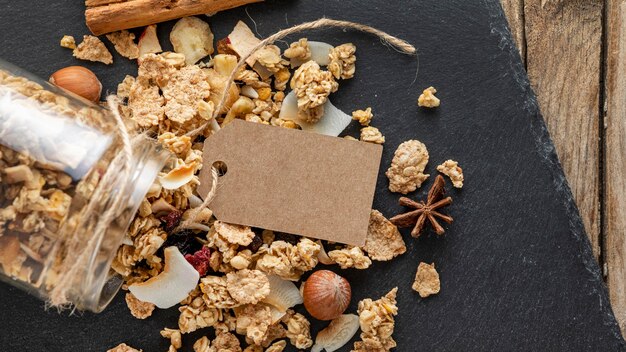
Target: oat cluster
<point x="406" y="172"/>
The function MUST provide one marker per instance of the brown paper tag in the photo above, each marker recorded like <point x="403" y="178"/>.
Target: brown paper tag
<point x="292" y="181"/>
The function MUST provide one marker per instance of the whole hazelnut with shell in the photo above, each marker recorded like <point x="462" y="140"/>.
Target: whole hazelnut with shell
<point x="326" y="295"/>
<point x="78" y="80"/>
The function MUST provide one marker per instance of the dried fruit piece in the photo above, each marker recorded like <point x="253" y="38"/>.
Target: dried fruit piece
<point x="200" y="260"/>
<point x="192" y="37"/>
<point x="240" y="42"/>
<point x="78" y="80"/>
<point x="172" y="285"/>
<point x="326" y="295"/>
<point x="184" y="240"/>
<point x="337" y="333"/>
<point x="283" y="294"/>
<point x="172" y="219"/>
<point x="406" y="172"/>
<point x="148" y="41"/>
<point x="426" y="280"/>
<point x="428" y="99"/>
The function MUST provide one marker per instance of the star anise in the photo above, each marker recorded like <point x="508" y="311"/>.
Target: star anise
<point x="424" y="211"/>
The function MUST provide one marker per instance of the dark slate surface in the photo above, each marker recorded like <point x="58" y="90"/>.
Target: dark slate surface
<point x="516" y="267"/>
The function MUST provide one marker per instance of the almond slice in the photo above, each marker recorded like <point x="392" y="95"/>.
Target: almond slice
<point x="172" y="285"/>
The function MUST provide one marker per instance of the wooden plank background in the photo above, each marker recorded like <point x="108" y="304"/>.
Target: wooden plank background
<point x="575" y="56"/>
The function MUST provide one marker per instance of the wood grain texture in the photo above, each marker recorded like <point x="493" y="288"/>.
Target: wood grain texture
<point x="564" y="41"/>
<point x="615" y="158"/>
<point x="514" y="11"/>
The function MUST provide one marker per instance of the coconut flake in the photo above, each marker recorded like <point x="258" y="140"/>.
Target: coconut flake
<point x="319" y="54"/>
<point x="337" y="333"/>
<point x="178" y="177"/>
<point x="332" y="122"/>
<point x="283" y="294"/>
<point x="172" y="285"/>
<point x="248" y="91"/>
<point x="322" y="256"/>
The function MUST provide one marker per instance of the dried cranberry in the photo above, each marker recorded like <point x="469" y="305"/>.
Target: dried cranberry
<point x="184" y="240"/>
<point x="200" y="260"/>
<point x="171" y="220"/>
<point x="256" y="243"/>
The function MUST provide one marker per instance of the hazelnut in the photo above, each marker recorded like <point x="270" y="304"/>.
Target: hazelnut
<point x="326" y="295"/>
<point x="78" y="80"/>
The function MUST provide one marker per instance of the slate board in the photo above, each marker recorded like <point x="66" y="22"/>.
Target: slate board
<point x="516" y="267"/>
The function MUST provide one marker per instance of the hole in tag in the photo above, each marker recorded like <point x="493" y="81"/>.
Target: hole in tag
<point x="221" y="168"/>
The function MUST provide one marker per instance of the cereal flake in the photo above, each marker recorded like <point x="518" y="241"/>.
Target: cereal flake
<point x="383" y="241"/>
<point x="247" y="286"/>
<point x="235" y="234"/>
<point x="124" y="42"/>
<point x="139" y="309"/>
<point x="426" y="280"/>
<point x="93" y="49"/>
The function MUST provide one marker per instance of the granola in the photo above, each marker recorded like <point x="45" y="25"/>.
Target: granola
<point x="298" y="330"/>
<point x="139" y="309"/>
<point x="247" y="286"/>
<point x="342" y="61"/>
<point x="253" y="320"/>
<point x="68" y="42"/>
<point x="288" y="261"/>
<point x="406" y="172"/>
<point x="426" y="280"/>
<point x="312" y="86"/>
<point x="174" y="336"/>
<point x="122" y="347"/>
<point x="234" y="234"/>
<point x="299" y="50"/>
<point x="197" y="315"/>
<point x="372" y="135"/>
<point x="93" y="49"/>
<point x="215" y="292"/>
<point x="452" y="169"/>
<point x="350" y="258"/>
<point x="363" y="116"/>
<point x="377" y="323"/>
<point x="428" y="99"/>
<point x="384" y="241"/>
<point x="124" y="42"/>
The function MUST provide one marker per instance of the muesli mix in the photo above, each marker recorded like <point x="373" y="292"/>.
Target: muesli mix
<point x="235" y="279"/>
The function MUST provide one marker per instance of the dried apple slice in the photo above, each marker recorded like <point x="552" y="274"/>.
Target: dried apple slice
<point x="172" y="285"/>
<point x="283" y="294"/>
<point x="192" y="37"/>
<point x="240" y="41"/>
<point x="337" y="333"/>
<point x="149" y="42"/>
<point x="332" y="122"/>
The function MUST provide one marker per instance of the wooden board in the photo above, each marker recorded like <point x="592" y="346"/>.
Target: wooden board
<point x="567" y="85"/>
<point x="615" y="158"/>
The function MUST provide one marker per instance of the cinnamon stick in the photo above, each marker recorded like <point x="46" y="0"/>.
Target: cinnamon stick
<point x="111" y="15"/>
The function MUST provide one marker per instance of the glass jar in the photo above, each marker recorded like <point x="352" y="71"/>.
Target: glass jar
<point x="64" y="203"/>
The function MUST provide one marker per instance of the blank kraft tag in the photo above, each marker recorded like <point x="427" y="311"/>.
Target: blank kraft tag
<point x="292" y="181"/>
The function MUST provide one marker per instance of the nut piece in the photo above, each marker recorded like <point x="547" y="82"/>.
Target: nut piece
<point x="363" y="116"/>
<point x="426" y="280"/>
<point x="383" y="241"/>
<point x="124" y="42"/>
<point x="406" y="171"/>
<point x="93" y="49"/>
<point x="78" y="80"/>
<point x="192" y="37"/>
<point x="68" y="42"/>
<point x="452" y="169"/>
<point x="428" y="99"/>
<point x="326" y="295"/>
<point x="372" y="135"/>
